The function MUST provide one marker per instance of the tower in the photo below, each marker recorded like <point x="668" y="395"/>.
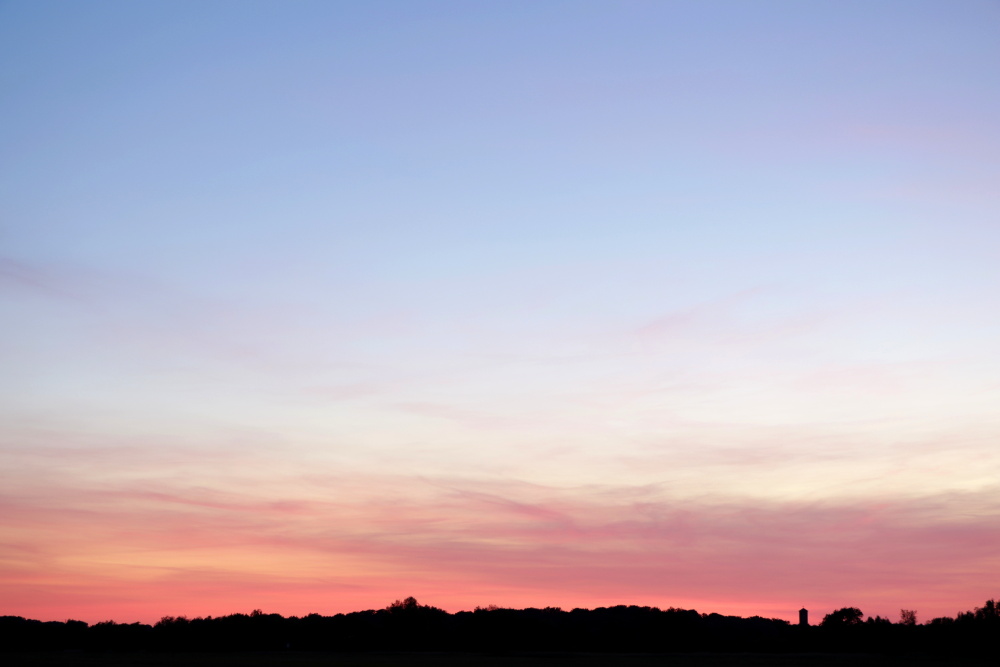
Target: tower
<point x="803" y="616"/>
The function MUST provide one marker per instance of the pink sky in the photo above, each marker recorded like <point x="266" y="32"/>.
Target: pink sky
<point x="312" y="306"/>
<point x="128" y="546"/>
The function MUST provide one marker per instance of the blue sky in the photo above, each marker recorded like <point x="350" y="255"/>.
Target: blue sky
<point x="713" y="255"/>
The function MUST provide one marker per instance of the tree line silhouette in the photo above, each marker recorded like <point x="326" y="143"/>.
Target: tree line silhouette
<point x="406" y="625"/>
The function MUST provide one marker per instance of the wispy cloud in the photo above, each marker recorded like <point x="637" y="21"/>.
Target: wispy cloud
<point x="707" y="316"/>
<point x="461" y="538"/>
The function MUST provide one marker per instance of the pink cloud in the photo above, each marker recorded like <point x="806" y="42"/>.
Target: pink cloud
<point x="697" y="319"/>
<point x="137" y="553"/>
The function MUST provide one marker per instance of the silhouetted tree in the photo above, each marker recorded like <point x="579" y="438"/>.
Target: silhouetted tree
<point x="989" y="612"/>
<point x="406" y="625"/>
<point x="843" y="617"/>
<point x="408" y="604"/>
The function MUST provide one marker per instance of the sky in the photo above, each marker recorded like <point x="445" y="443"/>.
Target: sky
<point x="312" y="306"/>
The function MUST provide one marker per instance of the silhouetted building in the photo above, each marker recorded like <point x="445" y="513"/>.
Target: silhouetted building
<point x="803" y="616"/>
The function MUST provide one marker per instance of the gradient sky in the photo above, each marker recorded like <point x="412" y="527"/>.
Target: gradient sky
<point x="310" y="306"/>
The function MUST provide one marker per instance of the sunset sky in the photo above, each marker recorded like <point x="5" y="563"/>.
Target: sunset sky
<point x="310" y="306"/>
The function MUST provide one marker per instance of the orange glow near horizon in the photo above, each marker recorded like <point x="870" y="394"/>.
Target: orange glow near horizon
<point x="141" y="554"/>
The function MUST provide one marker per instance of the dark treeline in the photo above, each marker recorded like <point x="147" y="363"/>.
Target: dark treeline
<point x="409" y="626"/>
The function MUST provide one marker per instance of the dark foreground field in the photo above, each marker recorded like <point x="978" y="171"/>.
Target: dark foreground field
<point x="294" y="659"/>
